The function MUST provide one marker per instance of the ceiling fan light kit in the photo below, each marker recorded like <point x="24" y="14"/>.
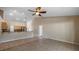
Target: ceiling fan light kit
<point x="37" y="13"/>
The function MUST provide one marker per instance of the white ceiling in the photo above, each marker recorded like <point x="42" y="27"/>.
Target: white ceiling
<point x="62" y="11"/>
<point x="23" y="13"/>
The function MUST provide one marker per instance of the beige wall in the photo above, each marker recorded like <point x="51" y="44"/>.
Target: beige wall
<point x="76" y="28"/>
<point x="0" y="26"/>
<point x="64" y="28"/>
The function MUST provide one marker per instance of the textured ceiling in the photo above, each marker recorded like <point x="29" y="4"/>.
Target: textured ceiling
<point x="22" y="13"/>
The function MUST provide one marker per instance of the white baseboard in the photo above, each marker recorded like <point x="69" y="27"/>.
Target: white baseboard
<point x="16" y="39"/>
<point x="62" y="40"/>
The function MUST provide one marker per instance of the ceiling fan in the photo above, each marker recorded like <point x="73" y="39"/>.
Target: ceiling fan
<point x="38" y="11"/>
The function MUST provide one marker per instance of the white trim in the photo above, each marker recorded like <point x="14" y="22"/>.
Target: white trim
<point x="16" y="39"/>
<point x="62" y="40"/>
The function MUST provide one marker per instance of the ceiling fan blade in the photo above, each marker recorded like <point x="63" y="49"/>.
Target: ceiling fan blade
<point x="31" y="10"/>
<point x="42" y="12"/>
<point x="39" y="14"/>
<point x="33" y="14"/>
